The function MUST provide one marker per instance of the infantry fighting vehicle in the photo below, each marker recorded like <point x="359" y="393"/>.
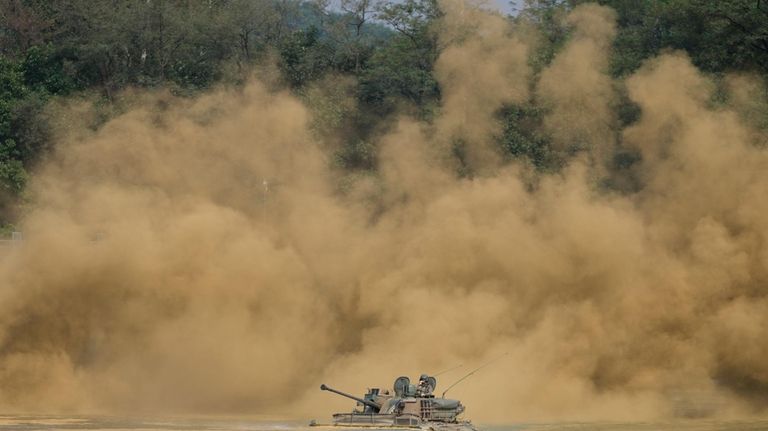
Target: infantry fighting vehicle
<point x="410" y="406"/>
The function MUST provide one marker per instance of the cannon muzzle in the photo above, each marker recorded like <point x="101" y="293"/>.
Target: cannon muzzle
<point x="368" y="403"/>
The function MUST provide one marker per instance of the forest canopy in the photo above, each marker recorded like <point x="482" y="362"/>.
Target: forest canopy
<point x="55" y="49"/>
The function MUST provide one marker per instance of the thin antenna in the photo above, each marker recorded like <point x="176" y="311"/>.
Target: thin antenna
<point x="449" y="369"/>
<point x="473" y="372"/>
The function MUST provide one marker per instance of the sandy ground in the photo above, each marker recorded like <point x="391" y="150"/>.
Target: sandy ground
<point x="17" y="422"/>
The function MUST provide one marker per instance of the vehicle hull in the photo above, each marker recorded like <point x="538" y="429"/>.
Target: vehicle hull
<point x="380" y="422"/>
<point x="427" y="426"/>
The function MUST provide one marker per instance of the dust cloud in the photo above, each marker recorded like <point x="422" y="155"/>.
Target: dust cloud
<point x="483" y="66"/>
<point x="199" y="255"/>
<point x="577" y="89"/>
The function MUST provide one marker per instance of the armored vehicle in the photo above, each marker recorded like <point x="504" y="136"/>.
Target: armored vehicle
<point x="407" y="406"/>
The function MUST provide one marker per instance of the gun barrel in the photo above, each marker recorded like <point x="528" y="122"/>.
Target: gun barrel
<point x="370" y="404"/>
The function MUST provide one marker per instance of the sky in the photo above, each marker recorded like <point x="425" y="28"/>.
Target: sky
<point x="509" y="6"/>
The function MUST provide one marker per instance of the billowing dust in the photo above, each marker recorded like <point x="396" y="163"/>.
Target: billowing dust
<point x="201" y="255"/>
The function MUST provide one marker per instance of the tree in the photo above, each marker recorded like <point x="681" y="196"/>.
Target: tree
<point x="358" y="12"/>
<point x="719" y="35"/>
<point x="304" y="57"/>
<point x="397" y="70"/>
<point x="12" y="172"/>
<point x="522" y="138"/>
<point x="47" y="68"/>
<point x="740" y="28"/>
<point x="547" y="17"/>
<point x="20" y="27"/>
<point x="403" y="67"/>
<point x="257" y="23"/>
<point x="413" y="19"/>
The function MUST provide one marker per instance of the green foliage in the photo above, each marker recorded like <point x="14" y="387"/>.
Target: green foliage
<point x="48" y="69"/>
<point x="29" y="128"/>
<point x="6" y="230"/>
<point x="204" y="41"/>
<point x="386" y="51"/>
<point x="521" y="136"/>
<point x="735" y="35"/>
<point x="13" y="176"/>
<point x="402" y="68"/>
<point x="11" y="80"/>
<point x="304" y="57"/>
<point x="11" y="89"/>
<point x="398" y="70"/>
<point x="22" y="130"/>
<point x="719" y="35"/>
<point x="22" y="133"/>
<point x="547" y="17"/>
<point x="412" y="19"/>
<point x="649" y="26"/>
<point x="332" y="106"/>
<point x="357" y="155"/>
<point x="627" y="111"/>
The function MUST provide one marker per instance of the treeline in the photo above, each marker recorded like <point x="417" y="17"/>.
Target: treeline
<point x="57" y="48"/>
<point x="719" y="35"/>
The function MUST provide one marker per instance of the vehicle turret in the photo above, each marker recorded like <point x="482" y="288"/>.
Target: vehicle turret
<point x="411" y="405"/>
<point x="371" y="406"/>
